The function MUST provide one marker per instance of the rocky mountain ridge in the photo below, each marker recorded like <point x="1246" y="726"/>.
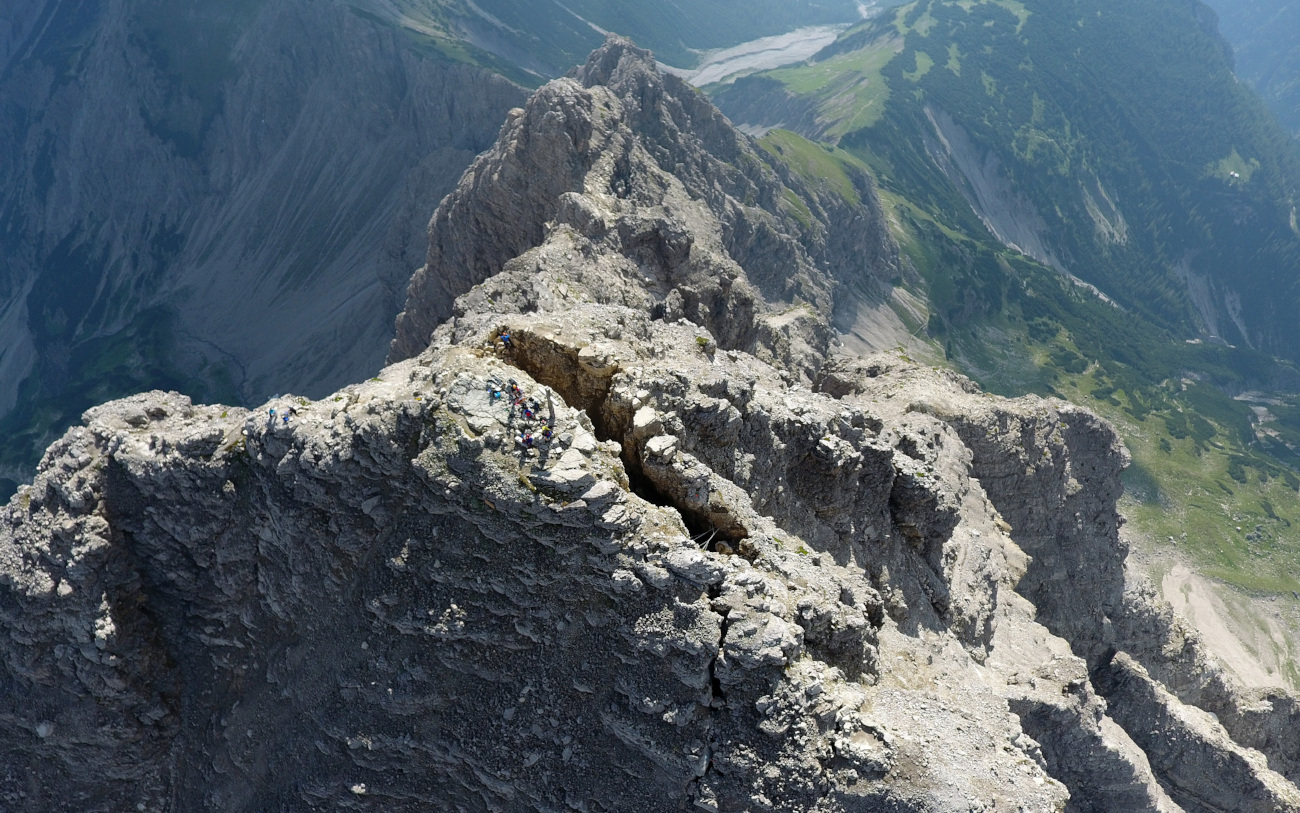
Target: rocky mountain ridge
<point x="669" y="159"/>
<point x="742" y="573"/>
<point x="237" y="191"/>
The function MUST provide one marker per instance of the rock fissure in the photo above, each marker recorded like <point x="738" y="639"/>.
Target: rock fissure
<point x="717" y="705"/>
<point x="583" y="376"/>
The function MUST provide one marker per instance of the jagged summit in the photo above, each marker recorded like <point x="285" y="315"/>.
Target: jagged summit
<point x="636" y="170"/>
<point x="735" y="575"/>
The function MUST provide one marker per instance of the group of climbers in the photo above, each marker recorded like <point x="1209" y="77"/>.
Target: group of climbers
<point x="285" y="415"/>
<point x="530" y="409"/>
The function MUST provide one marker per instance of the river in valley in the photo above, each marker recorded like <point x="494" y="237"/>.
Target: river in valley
<point x="768" y="52"/>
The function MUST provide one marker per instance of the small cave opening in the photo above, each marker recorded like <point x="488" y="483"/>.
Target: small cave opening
<point x="702" y="530"/>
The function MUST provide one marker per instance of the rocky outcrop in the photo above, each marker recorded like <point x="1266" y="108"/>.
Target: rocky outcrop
<point x="388" y="586"/>
<point x="1172" y="652"/>
<point x="1188" y="745"/>
<point x="1052" y="472"/>
<point x="613" y="540"/>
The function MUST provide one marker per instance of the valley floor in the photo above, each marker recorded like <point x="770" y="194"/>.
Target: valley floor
<point x="762" y="54"/>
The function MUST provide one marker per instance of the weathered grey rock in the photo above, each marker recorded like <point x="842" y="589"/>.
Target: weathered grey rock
<point x="1052" y="471"/>
<point x="1190" y="746"/>
<point x="729" y="581"/>
<point x="1172" y="653"/>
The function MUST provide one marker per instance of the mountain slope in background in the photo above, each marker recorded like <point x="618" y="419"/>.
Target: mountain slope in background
<point x="1173" y="196"/>
<point x="1265" y="36"/>
<point x="545" y="38"/>
<point x="205" y="195"/>
<point x="1128" y="245"/>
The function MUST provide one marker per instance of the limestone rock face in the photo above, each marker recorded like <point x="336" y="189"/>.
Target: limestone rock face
<point x="619" y="536"/>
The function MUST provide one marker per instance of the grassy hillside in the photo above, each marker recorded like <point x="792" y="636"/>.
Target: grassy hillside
<point x="1135" y="187"/>
<point x="1213" y="475"/>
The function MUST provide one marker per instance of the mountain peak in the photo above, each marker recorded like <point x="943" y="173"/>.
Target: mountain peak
<point x="615" y="62"/>
<point x="635" y="166"/>
<point x="612" y="533"/>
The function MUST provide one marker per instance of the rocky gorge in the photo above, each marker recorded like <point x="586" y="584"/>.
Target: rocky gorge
<point x="744" y="572"/>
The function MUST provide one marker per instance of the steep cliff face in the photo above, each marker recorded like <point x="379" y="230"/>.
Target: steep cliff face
<point x="728" y="578"/>
<point x="212" y="197"/>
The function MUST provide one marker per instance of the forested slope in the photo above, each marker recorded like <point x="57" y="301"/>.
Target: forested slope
<point x="1265" y="36"/>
